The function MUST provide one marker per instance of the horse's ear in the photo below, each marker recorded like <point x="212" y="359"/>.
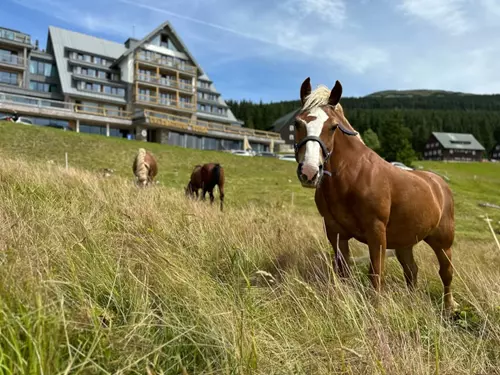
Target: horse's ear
<point x="335" y="94"/>
<point x="305" y="89"/>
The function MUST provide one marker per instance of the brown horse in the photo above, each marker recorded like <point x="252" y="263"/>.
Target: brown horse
<point x="206" y="177"/>
<point x="144" y="167"/>
<point x="361" y="196"/>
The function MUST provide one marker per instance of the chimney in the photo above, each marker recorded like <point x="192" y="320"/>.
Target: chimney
<point x="36" y="45"/>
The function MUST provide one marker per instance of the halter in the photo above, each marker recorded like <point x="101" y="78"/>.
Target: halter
<point x="324" y="149"/>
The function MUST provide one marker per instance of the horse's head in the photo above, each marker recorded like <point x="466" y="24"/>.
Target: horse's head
<point x="315" y="126"/>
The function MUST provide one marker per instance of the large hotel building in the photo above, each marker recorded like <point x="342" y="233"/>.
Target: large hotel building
<point x="151" y="89"/>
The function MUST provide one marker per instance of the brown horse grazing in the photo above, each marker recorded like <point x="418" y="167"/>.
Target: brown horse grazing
<point x="195" y="183"/>
<point x="206" y="177"/>
<point x="361" y="196"/>
<point x="144" y="167"/>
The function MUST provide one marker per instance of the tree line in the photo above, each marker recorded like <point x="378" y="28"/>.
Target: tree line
<point x="413" y="117"/>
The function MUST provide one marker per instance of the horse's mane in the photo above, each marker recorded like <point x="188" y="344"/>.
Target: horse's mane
<point x="318" y="98"/>
<point x="142" y="166"/>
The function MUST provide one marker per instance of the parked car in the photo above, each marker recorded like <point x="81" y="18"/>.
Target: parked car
<point x="266" y="154"/>
<point x="287" y="157"/>
<point x="17" y="119"/>
<point x="242" y="153"/>
<point x="401" y="165"/>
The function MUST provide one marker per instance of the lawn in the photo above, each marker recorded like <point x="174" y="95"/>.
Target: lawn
<point x="99" y="277"/>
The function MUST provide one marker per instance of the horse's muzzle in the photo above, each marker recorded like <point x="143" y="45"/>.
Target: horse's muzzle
<point x="309" y="175"/>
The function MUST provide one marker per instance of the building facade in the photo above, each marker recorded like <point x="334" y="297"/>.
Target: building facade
<point x="453" y="147"/>
<point x="151" y="89"/>
<point x="495" y="152"/>
<point x="285" y="126"/>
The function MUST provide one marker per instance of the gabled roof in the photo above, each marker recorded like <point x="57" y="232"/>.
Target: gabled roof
<point x="62" y="39"/>
<point x="150" y="36"/>
<point x="285" y="120"/>
<point x="460" y="141"/>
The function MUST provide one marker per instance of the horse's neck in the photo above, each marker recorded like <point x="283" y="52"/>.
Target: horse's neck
<point x="343" y="163"/>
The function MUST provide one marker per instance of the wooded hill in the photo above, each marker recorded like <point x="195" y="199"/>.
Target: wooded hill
<point x="421" y="111"/>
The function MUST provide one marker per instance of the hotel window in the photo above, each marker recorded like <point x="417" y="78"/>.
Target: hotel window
<point x="97" y="60"/>
<point x="42" y="68"/>
<point x="8" y="78"/>
<point x="291" y="128"/>
<point x="473" y="152"/>
<point x="101" y="74"/>
<point x="42" y="87"/>
<point x="91" y="72"/>
<point x="291" y="137"/>
<point x="87" y="58"/>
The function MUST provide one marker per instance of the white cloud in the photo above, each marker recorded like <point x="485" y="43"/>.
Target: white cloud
<point x="331" y="11"/>
<point x="448" y="15"/>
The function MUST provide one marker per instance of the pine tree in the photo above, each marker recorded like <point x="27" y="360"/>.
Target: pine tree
<point x="371" y="139"/>
<point x="395" y="141"/>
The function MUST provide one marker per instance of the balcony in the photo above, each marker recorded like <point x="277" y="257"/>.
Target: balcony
<point x="164" y="82"/>
<point x="12" y="60"/>
<point x="166" y="62"/>
<point x="102" y="111"/>
<point x="164" y="102"/>
<point x="14" y="36"/>
<point x="204" y="127"/>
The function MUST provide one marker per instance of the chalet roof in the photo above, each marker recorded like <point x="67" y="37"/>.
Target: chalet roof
<point x="285" y="120"/>
<point x="458" y="141"/>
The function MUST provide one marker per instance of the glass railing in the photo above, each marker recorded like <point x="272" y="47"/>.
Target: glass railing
<point x="11" y="59"/>
<point x="15" y="36"/>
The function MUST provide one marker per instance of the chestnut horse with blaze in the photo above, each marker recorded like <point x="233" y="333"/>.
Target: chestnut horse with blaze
<point x="144" y="167"/>
<point x="361" y="196"/>
<point x="206" y="177"/>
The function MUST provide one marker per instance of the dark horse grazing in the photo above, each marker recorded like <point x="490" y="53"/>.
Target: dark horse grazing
<point x="206" y="177"/>
<point x="144" y="167"/>
<point x="361" y="196"/>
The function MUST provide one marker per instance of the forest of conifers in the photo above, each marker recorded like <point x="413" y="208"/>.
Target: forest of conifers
<point x="420" y="112"/>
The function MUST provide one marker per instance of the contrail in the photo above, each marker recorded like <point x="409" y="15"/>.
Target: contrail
<point x="195" y="20"/>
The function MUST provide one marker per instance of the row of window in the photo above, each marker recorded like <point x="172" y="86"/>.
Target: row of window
<point x="434" y="152"/>
<point x="8" y="78"/>
<point x="42" y="86"/>
<point x="495" y="155"/>
<point x="103" y="89"/>
<point x="212" y="109"/>
<point x="432" y="145"/>
<point x="165" y="42"/>
<point x="165" y="60"/>
<point x="203" y="85"/>
<point x="89" y="58"/>
<point x="96" y="73"/>
<point x="207" y="96"/>
<point x="42" y="68"/>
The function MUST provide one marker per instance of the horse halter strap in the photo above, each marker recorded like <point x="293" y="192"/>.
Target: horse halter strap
<point x="324" y="149"/>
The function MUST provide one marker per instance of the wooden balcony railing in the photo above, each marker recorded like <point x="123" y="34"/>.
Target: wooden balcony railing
<point x="161" y="81"/>
<point x="163" y="101"/>
<point x="102" y="111"/>
<point x="183" y="123"/>
<point x="166" y="62"/>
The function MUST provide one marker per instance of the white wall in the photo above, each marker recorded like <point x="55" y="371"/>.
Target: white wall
<point x="127" y="69"/>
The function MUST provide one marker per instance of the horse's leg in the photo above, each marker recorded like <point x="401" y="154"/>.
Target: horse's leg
<point x="377" y="244"/>
<point x="342" y="252"/>
<point x="221" y="196"/>
<point x="445" y="271"/>
<point x="211" y="194"/>
<point x="410" y="268"/>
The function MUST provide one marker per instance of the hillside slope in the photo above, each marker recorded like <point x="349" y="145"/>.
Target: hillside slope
<point x="100" y="277"/>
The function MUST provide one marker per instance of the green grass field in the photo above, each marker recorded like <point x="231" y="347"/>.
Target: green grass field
<point x="99" y="277"/>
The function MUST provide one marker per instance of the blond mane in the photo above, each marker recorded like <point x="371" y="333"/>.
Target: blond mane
<point x="318" y="98"/>
<point x="142" y="168"/>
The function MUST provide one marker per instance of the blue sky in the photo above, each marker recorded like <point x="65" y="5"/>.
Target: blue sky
<point x="264" y="49"/>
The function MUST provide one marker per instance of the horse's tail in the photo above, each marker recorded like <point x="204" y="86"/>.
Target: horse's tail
<point x="141" y="167"/>
<point x="216" y="174"/>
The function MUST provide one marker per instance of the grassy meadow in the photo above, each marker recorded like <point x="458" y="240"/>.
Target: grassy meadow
<point x="99" y="277"/>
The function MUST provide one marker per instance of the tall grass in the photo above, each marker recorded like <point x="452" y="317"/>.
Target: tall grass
<point x="99" y="277"/>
